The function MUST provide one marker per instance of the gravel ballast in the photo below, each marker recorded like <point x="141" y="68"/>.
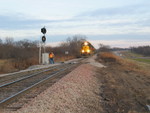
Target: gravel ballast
<point x="77" y="92"/>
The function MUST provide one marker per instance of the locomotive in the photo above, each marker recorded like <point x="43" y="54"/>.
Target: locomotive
<point x="87" y="49"/>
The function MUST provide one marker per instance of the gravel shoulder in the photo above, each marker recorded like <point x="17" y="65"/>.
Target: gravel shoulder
<point x="77" y="92"/>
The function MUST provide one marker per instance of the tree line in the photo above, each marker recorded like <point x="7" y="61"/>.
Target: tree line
<point x="144" y="50"/>
<point x="25" y="53"/>
<point x="10" y="49"/>
<point x="19" y="54"/>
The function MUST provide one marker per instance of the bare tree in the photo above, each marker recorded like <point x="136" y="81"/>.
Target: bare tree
<point x="72" y="46"/>
<point x="103" y="48"/>
<point x="144" y="50"/>
<point x="75" y="44"/>
<point x="22" y="53"/>
<point x="9" y="41"/>
<point x="1" y="41"/>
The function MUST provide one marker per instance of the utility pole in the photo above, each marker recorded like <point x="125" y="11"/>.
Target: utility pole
<point x="39" y="52"/>
<point x="45" y="56"/>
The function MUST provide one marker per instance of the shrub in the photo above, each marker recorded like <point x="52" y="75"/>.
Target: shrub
<point x="109" y="57"/>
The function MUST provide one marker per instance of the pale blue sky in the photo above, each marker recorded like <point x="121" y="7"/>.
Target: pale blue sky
<point x="120" y="23"/>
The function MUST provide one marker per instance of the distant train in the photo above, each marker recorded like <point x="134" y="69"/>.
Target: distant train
<point x="87" y="49"/>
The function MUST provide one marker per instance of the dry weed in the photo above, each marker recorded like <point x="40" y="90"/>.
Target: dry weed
<point x="128" y="65"/>
<point x="7" y="67"/>
<point x="109" y="57"/>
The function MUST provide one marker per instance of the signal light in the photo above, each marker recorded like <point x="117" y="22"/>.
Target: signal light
<point x="43" y="30"/>
<point x="85" y="43"/>
<point x="43" y="38"/>
<point x="82" y="51"/>
<point x="88" y="51"/>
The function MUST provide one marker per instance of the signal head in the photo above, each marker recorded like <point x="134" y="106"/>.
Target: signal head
<point x="43" y="38"/>
<point x="43" y="30"/>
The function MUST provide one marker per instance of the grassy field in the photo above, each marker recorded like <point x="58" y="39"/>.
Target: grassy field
<point x="135" y="57"/>
<point x="142" y="60"/>
<point x="129" y="54"/>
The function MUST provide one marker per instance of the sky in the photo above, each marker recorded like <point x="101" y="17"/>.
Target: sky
<point x="117" y="23"/>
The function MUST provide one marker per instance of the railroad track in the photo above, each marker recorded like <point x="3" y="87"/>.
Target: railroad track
<point x="4" y="78"/>
<point x="18" y="85"/>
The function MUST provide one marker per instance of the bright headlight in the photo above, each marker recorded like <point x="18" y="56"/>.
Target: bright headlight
<point x="85" y="43"/>
<point x="82" y="51"/>
<point x="88" y="51"/>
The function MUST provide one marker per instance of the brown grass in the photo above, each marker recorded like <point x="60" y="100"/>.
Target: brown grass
<point x="136" y="66"/>
<point x="12" y="65"/>
<point x="108" y="57"/>
<point x="7" y="67"/>
<point x="129" y="65"/>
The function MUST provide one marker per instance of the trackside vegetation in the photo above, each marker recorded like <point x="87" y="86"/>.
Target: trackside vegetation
<point x="18" y="55"/>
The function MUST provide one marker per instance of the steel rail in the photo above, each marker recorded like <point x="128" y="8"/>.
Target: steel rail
<point x="23" y="78"/>
<point x="27" y="70"/>
<point x="18" y="93"/>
